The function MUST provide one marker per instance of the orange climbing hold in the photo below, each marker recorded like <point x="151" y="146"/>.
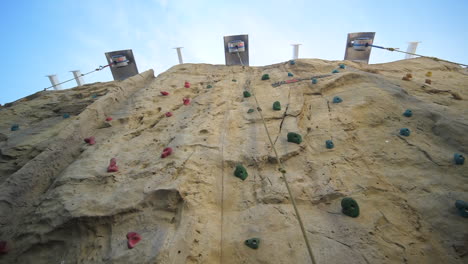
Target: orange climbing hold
<point x="187" y="85"/>
<point x="90" y="140"/>
<point x="164" y="93"/>
<point x="108" y="118"/>
<point x="113" y="166"/>
<point x="3" y="247"/>
<point x="132" y="239"/>
<point x="428" y="81"/>
<point x="186" y="101"/>
<point x="168" y="114"/>
<point x="166" y="152"/>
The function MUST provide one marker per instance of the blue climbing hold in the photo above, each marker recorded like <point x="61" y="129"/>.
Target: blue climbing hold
<point x="66" y="115"/>
<point x="335" y="71"/>
<point x="14" y="127"/>
<point x="462" y="207"/>
<point x="405" y="132"/>
<point x="408" y="113"/>
<point x="94" y="96"/>
<point x="253" y="243"/>
<point x="290" y="74"/>
<point x="342" y="66"/>
<point x="337" y="100"/>
<point x="292" y="62"/>
<point x="459" y="159"/>
<point x="314" y="81"/>
<point x="329" y="144"/>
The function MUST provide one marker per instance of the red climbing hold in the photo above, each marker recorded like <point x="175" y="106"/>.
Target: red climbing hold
<point x="108" y="119"/>
<point x="3" y="247"/>
<point x="132" y="239"/>
<point x="113" y="166"/>
<point x="90" y="140"/>
<point x="164" y="93"/>
<point x="168" y="114"/>
<point x="166" y="152"/>
<point x="186" y="101"/>
<point x="187" y="85"/>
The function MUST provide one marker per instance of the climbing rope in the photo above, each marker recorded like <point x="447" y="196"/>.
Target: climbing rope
<point x="283" y="172"/>
<point x="414" y="54"/>
<point x="97" y="69"/>
<point x="238" y="55"/>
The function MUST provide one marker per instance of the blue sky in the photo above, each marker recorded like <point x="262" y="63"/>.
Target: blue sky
<point x="54" y="37"/>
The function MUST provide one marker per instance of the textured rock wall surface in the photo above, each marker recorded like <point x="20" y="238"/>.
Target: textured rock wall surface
<point x="58" y="204"/>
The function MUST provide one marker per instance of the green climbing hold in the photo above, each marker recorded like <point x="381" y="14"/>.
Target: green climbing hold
<point x="337" y="100"/>
<point x="209" y="86"/>
<point x="290" y="74"/>
<point x="234" y="80"/>
<point x="66" y="115"/>
<point x="246" y="94"/>
<point x="405" y="132"/>
<point x="241" y="172"/>
<point x="342" y="66"/>
<point x="329" y="144"/>
<point x="314" y="81"/>
<point x="408" y="113"/>
<point x="265" y="77"/>
<point x="253" y="243"/>
<point x="294" y="138"/>
<point x="14" y="127"/>
<point x="459" y="159"/>
<point x="462" y="207"/>
<point x="94" y="96"/>
<point x="335" y="71"/>
<point x="292" y="62"/>
<point x="251" y="110"/>
<point x="277" y="106"/>
<point x="350" y="207"/>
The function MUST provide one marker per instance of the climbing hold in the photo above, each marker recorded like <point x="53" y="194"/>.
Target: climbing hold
<point x="329" y="144"/>
<point x="265" y="77"/>
<point x="14" y="127"/>
<point x="406" y="78"/>
<point x="349" y="207"/>
<point x="250" y="110"/>
<point x="90" y="140"/>
<point x="335" y="71"/>
<point x="282" y="170"/>
<point x="277" y="106"/>
<point x="246" y="94"/>
<point x="428" y="81"/>
<point x="292" y="62"/>
<point x="462" y="207"/>
<point x="259" y="109"/>
<point x="166" y="152"/>
<point x="234" y="80"/>
<point x="186" y="101"/>
<point x="132" y="239"/>
<point x="187" y="85"/>
<point x="428" y="74"/>
<point x="253" y="243"/>
<point x="164" y="93"/>
<point x="337" y="100"/>
<point x="168" y="114"/>
<point x="459" y="159"/>
<point x="241" y="172"/>
<point x="108" y="119"/>
<point x="3" y="247"/>
<point x="314" y="81"/>
<point x="342" y="66"/>
<point x="294" y="138"/>
<point x="405" y="132"/>
<point x="66" y="115"/>
<point x="409" y="75"/>
<point x="408" y="113"/>
<point x="209" y="86"/>
<point x="113" y="166"/>
<point x="94" y="96"/>
<point x="290" y="74"/>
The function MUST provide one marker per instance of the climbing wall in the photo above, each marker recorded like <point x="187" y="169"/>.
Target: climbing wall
<point x="150" y="170"/>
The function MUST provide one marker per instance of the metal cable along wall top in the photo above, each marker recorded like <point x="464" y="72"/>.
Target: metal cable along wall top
<point x="97" y="69"/>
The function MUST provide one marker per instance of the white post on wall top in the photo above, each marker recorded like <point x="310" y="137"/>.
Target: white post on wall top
<point x="295" y="51"/>
<point x="179" y="54"/>
<point x="54" y="81"/>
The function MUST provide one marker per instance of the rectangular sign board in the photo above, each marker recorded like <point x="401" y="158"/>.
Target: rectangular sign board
<point x="236" y="50"/>
<point x="361" y="53"/>
<point x="125" y="65"/>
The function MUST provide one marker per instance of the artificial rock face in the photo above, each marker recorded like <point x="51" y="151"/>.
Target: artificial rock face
<point x="59" y="204"/>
